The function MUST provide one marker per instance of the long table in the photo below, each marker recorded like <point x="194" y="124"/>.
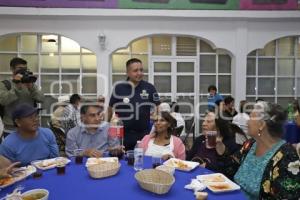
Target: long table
<point x="76" y="184"/>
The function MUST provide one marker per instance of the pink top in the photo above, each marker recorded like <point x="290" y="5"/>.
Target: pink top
<point x="178" y="150"/>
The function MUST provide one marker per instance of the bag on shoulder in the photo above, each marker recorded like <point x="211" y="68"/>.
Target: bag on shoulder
<point x="7" y="85"/>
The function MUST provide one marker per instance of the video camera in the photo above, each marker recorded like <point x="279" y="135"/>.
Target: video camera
<point x="27" y="76"/>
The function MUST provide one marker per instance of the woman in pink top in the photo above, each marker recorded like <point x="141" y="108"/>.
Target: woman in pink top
<point x="162" y="143"/>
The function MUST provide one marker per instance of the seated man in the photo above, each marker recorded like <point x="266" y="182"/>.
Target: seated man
<point x="29" y="142"/>
<point x="92" y="135"/>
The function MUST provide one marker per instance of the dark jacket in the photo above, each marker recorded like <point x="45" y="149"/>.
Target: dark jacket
<point x="231" y="147"/>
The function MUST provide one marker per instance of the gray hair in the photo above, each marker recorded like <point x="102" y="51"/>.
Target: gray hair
<point x="274" y="116"/>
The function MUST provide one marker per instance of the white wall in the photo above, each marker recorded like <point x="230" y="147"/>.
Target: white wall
<point x="237" y="31"/>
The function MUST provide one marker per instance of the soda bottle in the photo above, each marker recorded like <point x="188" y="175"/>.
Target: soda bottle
<point x="138" y="157"/>
<point x="116" y="129"/>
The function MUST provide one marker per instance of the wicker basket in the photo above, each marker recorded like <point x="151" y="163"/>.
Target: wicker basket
<point x="166" y="168"/>
<point x="155" y="181"/>
<point x="104" y="170"/>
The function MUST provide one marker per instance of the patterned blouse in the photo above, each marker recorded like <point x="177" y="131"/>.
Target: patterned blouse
<point x="281" y="175"/>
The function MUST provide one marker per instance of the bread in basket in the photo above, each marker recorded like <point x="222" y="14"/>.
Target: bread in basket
<point x="155" y="181"/>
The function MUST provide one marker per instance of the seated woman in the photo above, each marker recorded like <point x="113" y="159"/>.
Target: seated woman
<point x="204" y="152"/>
<point x="267" y="167"/>
<point x="30" y="142"/>
<point x="162" y="143"/>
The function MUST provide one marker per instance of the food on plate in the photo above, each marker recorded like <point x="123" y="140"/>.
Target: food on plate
<point x="180" y="164"/>
<point x="6" y="181"/>
<point x="34" y="196"/>
<point x="215" y="178"/>
<point x="201" y="195"/>
<point x="220" y="186"/>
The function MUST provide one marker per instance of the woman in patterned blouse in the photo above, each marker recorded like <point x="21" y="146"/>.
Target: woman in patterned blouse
<point x="266" y="167"/>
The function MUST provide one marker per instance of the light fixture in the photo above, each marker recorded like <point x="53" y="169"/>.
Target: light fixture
<point x="102" y="41"/>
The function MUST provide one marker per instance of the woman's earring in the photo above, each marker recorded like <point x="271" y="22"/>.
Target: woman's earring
<point x="259" y="132"/>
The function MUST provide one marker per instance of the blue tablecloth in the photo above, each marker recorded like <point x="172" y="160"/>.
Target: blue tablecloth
<point x="77" y="185"/>
<point x="291" y="132"/>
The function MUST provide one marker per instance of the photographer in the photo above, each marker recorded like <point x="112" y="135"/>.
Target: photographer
<point x="21" y="89"/>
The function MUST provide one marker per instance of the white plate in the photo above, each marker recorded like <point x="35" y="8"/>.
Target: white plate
<point x="20" y="174"/>
<point x="47" y="164"/>
<point x="218" y="183"/>
<point x="181" y="164"/>
<point x="95" y="161"/>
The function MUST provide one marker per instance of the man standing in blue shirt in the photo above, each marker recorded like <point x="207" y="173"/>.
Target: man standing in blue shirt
<point x="132" y="100"/>
<point x="92" y="135"/>
<point x="213" y="97"/>
<point x="30" y="142"/>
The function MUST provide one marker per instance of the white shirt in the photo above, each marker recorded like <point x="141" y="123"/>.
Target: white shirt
<point x="241" y="120"/>
<point x="159" y="151"/>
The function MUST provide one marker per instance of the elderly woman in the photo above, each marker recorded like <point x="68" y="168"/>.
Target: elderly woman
<point x="203" y="149"/>
<point x="267" y="167"/>
<point x="162" y="143"/>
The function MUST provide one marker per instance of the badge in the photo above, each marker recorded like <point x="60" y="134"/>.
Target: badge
<point x="144" y="94"/>
<point x="126" y="100"/>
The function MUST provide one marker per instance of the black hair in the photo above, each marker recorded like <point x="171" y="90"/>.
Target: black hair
<point x="259" y="99"/>
<point x="74" y="98"/>
<point x="84" y="108"/>
<point x="168" y="117"/>
<point x="212" y="87"/>
<point x="296" y="105"/>
<point x="228" y="100"/>
<point x="223" y="128"/>
<point x="132" y="60"/>
<point x="277" y="117"/>
<point x="242" y="106"/>
<point x="174" y="107"/>
<point x="17" y="61"/>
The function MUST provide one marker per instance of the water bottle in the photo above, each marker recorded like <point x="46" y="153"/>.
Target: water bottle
<point x="138" y="157"/>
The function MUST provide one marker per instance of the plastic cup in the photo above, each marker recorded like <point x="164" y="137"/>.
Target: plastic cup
<point x="130" y="157"/>
<point x="78" y="153"/>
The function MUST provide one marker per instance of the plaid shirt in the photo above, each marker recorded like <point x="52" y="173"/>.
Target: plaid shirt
<point x="71" y="117"/>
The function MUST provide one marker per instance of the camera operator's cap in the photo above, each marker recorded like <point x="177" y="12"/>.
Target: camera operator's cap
<point x="23" y="110"/>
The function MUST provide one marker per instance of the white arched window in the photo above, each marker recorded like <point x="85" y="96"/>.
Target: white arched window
<point x="180" y="67"/>
<point x="273" y="73"/>
<point x="63" y="67"/>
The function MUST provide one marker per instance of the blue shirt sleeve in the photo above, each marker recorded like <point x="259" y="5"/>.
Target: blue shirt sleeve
<point x="53" y="148"/>
<point x="71" y="143"/>
<point x="7" y="152"/>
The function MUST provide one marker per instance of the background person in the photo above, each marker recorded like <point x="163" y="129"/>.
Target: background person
<point x="213" y="97"/>
<point x="20" y="89"/>
<point x="71" y="113"/>
<point x="132" y="101"/>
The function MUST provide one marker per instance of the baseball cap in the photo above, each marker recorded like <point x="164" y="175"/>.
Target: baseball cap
<point x="23" y="110"/>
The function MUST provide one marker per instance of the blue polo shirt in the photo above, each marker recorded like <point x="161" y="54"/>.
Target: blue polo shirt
<point x="133" y="104"/>
<point x="43" y="146"/>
